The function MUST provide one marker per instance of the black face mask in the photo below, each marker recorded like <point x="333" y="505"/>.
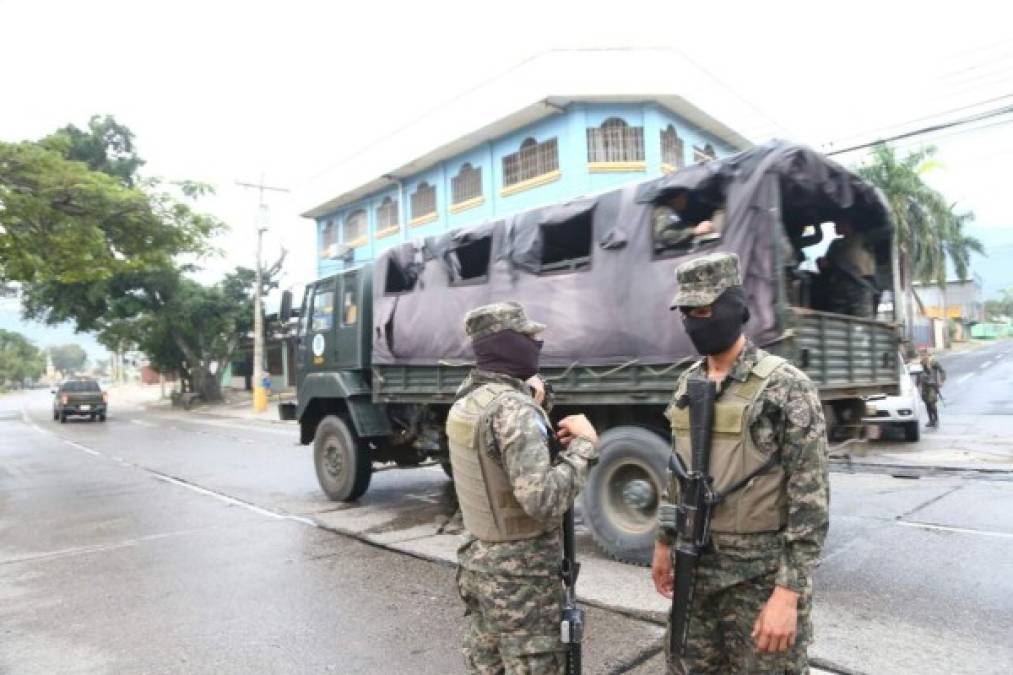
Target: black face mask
<point x="508" y="352"/>
<point x="723" y="327"/>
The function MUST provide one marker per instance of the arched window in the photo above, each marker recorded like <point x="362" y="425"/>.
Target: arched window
<point x="423" y="200"/>
<point x="615" y="141"/>
<point x="672" y="149"/>
<point x="328" y="238"/>
<point x="386" y="214"/>
<point x="467" y="184"/>
<point x="354" y="228"/>
<point x="532" y="160"/>
<point x="704" y="154"/>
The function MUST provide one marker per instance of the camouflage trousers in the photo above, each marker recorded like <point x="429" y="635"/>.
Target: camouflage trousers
<point x="720" y="627"/>
<point x="511" y="624"/>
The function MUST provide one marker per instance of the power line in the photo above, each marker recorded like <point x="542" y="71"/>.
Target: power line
<point x="923" y="118"/>
<point x="929" y="129"/>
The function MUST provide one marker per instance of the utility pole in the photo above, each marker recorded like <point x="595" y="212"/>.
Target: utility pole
<point x="259" y="393"/>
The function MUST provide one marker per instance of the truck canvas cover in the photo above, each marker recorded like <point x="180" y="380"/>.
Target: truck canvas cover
<point x="590" y="270"/>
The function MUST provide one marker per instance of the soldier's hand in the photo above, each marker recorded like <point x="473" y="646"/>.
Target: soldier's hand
<point x="537" y="388"/>
<point x="576" y="426"/>
<point x="661" y="570"/>
<point x="777" y="625"/>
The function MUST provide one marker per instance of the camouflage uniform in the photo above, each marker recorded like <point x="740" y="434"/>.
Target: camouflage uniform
<point x="511" y="589"/>
<point x="929" y="382"/>
<point x="850" y="283"/>
<point x="738" y="573"/>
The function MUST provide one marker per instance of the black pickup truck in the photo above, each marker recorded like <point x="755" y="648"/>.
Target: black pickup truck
<point x="79" y="397"/>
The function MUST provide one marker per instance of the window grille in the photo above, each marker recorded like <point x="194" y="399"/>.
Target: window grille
<point x="672" y="148"/>
<point x="328" y="238"/>
<point x="467" y="184"/>
<point x="386" y="214"/>
<point x="615" y="141"/>
<point x="355" y="226"/>
<point x="423" y="200"/>
<point x="532" y="160"/>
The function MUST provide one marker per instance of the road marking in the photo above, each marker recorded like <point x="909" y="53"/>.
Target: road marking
<point x="97" y="548"/>
<point x="231" y="501"/>
<point x="142" y="423"/>
<point x="985" y="365"/>
<point x="82" y="448"/>
<point x="960" y="530"/>
<point x="964" y="378"/>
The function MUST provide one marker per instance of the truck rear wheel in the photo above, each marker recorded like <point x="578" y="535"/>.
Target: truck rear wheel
<point x="342" y="462"/>
<point x="620" y="500"/>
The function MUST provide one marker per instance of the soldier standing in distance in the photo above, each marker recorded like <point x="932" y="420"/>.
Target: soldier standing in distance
<point x="930" y="381"/>
<point x="750" y="609"/>
<point x="512" y="496"/>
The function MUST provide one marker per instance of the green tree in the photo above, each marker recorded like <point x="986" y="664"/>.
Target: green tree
<point x="73" y="209"/>
<point x="929" y="230"/>
<point x="1001" y="308"/>
<point x="20" y="360"/>
<point x="68" y="358"/>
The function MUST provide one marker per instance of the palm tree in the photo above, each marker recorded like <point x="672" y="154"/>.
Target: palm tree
<point x="929" y="230"/>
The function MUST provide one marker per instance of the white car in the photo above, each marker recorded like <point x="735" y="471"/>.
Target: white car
<point x="903" y="411"/>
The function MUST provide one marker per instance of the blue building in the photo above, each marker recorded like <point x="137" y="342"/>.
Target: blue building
<point x="552" y="150"/>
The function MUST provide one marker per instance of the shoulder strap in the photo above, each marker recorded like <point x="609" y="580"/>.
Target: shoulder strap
<point x="766" y="366"/>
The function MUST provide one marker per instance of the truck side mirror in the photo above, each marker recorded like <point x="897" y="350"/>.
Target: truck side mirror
<point x="285" y="313"/>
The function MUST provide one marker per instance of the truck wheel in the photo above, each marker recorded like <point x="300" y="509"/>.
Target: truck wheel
<point x="912" y="431"/>
<point x="102" y="417"/>
<point x="63" y="418"/>
<point x="620" y="500"/>
<point x="342" y="462"/>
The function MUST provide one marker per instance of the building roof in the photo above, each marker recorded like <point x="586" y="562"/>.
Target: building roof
<point x="538" y="88"/>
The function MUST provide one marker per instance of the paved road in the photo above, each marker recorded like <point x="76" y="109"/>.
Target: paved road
<point x="978" y="381"/>
<point x="133" y="545"/>
<point x="110" y="564"/>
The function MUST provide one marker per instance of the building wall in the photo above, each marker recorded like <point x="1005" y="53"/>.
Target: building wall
<point x="964" y="300"/>
<point x="575" y="176"/>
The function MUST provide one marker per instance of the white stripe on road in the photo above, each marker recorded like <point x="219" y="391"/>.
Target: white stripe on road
<point x="985" y="365"/>
<point x="961" y="530"/>
<point x="82" y="448"/>
<point x="231" y="501"/>
<point x="142" y="423"/>
<point x="965" y="378"/>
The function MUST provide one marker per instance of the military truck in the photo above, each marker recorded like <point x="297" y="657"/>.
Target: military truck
<point x="382" y="349"/>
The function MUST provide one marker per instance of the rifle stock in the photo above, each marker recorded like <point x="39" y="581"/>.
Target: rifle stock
<point x="693" y="511"/>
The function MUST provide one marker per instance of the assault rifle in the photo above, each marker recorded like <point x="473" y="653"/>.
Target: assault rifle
<point x="571" y="625"/>
<point x="693" y="514"/>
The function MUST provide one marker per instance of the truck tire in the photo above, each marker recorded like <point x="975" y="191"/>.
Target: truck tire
<point x="620" y="500"/>
<point x="63" y="418"/>
<point x="342" y="462"/>
<point x="912" y="431"/>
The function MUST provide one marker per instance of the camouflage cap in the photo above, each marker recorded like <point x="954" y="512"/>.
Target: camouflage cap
<point x="703" y="279"/>
<point x="489" y="319"/>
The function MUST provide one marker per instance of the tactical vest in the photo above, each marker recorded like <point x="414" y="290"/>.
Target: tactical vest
<point x="490" y="510"/>
<point x="760" y="504"/>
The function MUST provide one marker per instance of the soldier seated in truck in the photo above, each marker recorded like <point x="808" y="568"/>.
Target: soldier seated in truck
<point x="675" y="229"/>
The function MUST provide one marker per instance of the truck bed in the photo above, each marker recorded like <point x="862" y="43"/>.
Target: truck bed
<point x="845" y="356"/>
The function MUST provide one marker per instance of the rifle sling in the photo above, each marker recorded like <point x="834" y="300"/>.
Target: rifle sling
<point x="716" y="498"/>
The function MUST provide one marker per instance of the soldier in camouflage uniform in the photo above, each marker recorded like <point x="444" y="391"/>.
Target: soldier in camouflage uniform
<point x="513" y="495"/>
<point x="930" y="381"/>
<point x="751" y="608"/>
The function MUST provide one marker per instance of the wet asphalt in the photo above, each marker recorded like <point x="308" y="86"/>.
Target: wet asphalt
<point x="113" y="560"/>
<point x="185" y="544"/>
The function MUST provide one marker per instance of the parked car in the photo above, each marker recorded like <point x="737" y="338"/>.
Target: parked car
<point x="902" y="411"/>
<point x="82" y="397"/>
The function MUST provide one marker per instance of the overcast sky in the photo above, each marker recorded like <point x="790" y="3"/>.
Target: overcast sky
<point x="226" y="91"/>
